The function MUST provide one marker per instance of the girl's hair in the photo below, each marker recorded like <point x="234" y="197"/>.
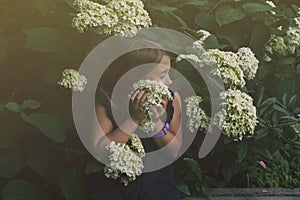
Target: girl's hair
<point x="140" y="54"/>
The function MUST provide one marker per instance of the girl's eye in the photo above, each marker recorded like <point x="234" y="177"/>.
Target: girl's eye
<point x="162" y="75"/>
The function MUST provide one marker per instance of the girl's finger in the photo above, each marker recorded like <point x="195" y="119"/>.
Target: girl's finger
<point x="144" y="97"/>
<point x="133" y="96"/>
<point x="164" y="103"/>
<point x="141" y="93"/>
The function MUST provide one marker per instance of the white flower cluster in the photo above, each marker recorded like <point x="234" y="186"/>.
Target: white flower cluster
<point x="195" y="60"/>
<point x="293" y="32"/>
<point x="200" y="57"/>
<point x="125" y="160"/>
<point x="247" y="62"/>
<point x="136" y="145"/>
<point x="156" y="91"/>
<point x="228" y="67"/>
<point x="113" y="17"/>
<point x="196" y="115"/>
<point x="278" y="44"/>
<point x="73" y="80"/>
<point x="231" y="67"/>
<point x="284" y="45"/>
<point x="238" y="115"/>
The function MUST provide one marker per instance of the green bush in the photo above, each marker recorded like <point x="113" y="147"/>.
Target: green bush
<point x="41" y="155"/>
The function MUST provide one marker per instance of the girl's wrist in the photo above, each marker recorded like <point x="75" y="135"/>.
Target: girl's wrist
<point x="163" y="131"/>
<point x="159" y="124"/>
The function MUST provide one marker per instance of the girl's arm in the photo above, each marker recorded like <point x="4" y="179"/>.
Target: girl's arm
<point x="174" y="135"/>
<point x="122" y="133"/>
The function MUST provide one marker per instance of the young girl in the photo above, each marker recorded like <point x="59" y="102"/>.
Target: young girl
<point x="154" y="185"/>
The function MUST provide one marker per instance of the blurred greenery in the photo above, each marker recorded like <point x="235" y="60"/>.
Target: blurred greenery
<point x="41" y="156"/>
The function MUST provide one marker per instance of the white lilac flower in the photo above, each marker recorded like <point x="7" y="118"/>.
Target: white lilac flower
<point x="271" y="3"/>
<point x="125" y="161"/>
<point x="279" y="45"/>
<point x="192" y="58"/>
<point x="285" y="45"/>
<point x="196" y="117"/>
<point x="136" y="145"/>
<point x="227" y="67"/>
<point x="205" y="35"/>
<point x="156" y="91"/>
<point x="293" y="33"/>
<point x="131" y="14"/>
<point x="237" y="118"/>
<point x="94" y="15"/>
<point x="248" y="62"/>
<point x="199" y="56"/>
<point x="112" y="17"/>
<point x="73" y="80"/>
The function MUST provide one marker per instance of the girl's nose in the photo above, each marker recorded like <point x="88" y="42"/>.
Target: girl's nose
<point x="168" y="81"/>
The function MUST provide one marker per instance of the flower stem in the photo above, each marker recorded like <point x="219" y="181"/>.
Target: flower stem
<point x="214" y="7"/>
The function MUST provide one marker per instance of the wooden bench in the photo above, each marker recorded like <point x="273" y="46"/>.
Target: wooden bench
<point x="252" y="194"/>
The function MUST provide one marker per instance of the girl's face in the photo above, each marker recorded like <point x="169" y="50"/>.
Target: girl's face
<point x="161" y="71"/>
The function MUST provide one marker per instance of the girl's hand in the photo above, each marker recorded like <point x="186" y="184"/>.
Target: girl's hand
<point x="137" y="99"/>
<point x="160" y="110"/>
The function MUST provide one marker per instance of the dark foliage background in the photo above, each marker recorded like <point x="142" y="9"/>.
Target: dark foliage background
<point x="41" y="156"/>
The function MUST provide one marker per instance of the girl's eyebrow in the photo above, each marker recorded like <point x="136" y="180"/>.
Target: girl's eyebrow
<point x="165" y="70"/>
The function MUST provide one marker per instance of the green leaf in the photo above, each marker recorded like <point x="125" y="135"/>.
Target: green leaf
<point x="73" y="185"/>
<point x="289" y="117"/>
<point x="45" y="162"/>
<point x="284" y="100"/>
<point x="286" y="61"/>
<point x="235" y="37"/>
<point x="242" y="151"/>
<point x="263" y="71"/>
<point x="31" y="104"/>
<point x="192" y="3"/>
<point x="288" y="85"/>
<point x="70" y="3"/>
<point x="44" y="6"/>
<point x="49" y="124"/>
<point x="259" y="36"/>
<point x="194" y="167"/>
<point x="164" y="9"/>
<point x="227" y="173"/>
<point x="12" y="161"/>
<point x="182" y="187"/>
<point x="205" y="20"/>
<point x="13" y="106"/>
<point x="292" y="100"/>
<point x="92" y="168"/>
<point x="260" y="96"/>
<point x="20" y="189"/>
<point x="268" y="102"/>
<point x="227" y="14"/>
<point x="264" y="152"/>
<point x="181" y="21"/>
<point x="280" y="109"/>
<point x="279" y="131"/>
<point x="189" y="176"/>
<point x="211" y="42"/>
<point x="250" y="7"/>
<point x="43" y="39"/>
<point x="296" y="128"/>
<point x="260" y="133"/>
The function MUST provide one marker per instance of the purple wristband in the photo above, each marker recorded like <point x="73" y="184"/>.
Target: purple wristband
<point x="163" y="131"/>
